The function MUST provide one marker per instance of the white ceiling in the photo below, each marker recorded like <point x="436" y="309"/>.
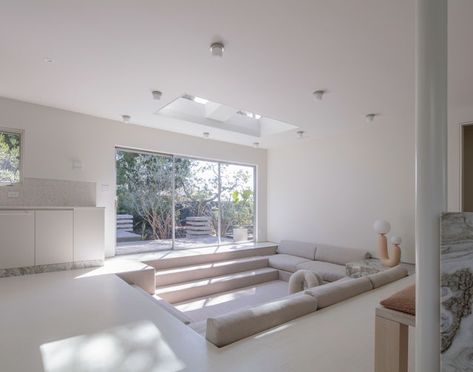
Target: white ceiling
<point x="110" y="54"/>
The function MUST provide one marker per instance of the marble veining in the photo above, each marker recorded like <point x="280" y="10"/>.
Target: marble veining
<point x="37" y="269"/>
<point x="457" y="292"/>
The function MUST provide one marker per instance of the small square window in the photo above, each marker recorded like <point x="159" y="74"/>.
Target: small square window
<point x="10" y="156"/>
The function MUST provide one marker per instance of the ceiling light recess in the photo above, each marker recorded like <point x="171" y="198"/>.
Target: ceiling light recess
<point x="300" y="134"/>
<point x="126" y="118"/>
<point x="206" y="134"/>
<point x="217" y="49"/>
<point x="248" y="114"/>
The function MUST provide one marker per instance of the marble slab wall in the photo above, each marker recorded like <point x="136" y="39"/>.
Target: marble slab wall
<point x="38" y="192"/>
<point x="457" y="292"/>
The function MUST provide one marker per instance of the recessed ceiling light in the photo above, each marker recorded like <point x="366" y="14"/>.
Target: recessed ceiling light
<point x="256" y="144"/>
<point x="319" y="94"/>
<point x="300" y="134"/>
<point x="370" y="117"/>
<point x="216" y="49"/>
<point x="206" y="134"/>
<point x="126" y="118"/>
<point x="48" y="60"/>
<point x="156" y="94"/>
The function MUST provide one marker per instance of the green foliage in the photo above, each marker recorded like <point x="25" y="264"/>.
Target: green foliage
<point x="145" y="185"/>
<point x="9" y="157"/>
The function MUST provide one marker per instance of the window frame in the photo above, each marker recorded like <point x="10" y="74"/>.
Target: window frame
<point x="21" y="132"/>
<point x="219" y="163"/>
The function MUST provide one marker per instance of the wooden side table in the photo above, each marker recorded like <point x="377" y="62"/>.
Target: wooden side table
<point x="391" y="340"/>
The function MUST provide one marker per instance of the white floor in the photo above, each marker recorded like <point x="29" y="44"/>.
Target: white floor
<point x="212" y="306"/>
<point x="63" y="321"/>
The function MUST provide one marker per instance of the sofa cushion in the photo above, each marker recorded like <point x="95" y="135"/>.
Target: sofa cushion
<point x="300" y="249"/>
<point x="329" y="272"/>
<point x="387" y="276"/>
<point x="339" y="255"/>
<point x="286" y="262"/>
<point x="234" y="326"/>
<point x="332" y="293"/>
<point x="404" y="301"/>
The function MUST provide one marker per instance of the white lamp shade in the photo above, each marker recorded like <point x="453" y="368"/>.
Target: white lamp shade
<point x="396" y="240"/>
<point x="381" y="226"/>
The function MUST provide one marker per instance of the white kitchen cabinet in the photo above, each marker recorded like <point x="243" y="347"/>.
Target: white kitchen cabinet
<point x="16" y="238"/>
<point x="54" y="236"/>
<point x="88" y="234"/>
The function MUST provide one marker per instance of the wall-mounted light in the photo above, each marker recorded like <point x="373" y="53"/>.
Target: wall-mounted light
<point x="126" y="118"/>
<point x="300" y="134"/>
<point x="217" y="49"/>
<point x="319" y="94"/>
<point x="156" y="94"/>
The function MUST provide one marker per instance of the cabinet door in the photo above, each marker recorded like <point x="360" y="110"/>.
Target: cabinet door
<point x="16" y="239"/>
<point x="54" y="236"/>
<point x="89" y="240"/>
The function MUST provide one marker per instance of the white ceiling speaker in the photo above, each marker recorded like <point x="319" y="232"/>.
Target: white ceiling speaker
<point x="300" y="134"/>
<point x="156" y="94"/>
<point x="216" y="49"/>
<point x="206" y="134"/>
<point x="126" y="118"/>
<point x="370" y="117"/>
<point x="319" y="94"/>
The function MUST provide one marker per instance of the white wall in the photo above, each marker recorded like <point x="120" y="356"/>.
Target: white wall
<point x="54" y="138"/>
<point x="331" y="191"/>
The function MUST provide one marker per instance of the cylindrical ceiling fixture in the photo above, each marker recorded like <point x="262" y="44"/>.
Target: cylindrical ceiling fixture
<point x="217" y="49"/>
<point x="156" y="94"/>
<point x="370" y="117"/>
<point x="319" y="94"/>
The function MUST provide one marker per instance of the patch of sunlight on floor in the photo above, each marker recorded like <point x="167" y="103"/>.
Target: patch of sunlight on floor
<point x="137" y="347"/>
<point x="212" y="301"/>
<point x="273" y="330"/>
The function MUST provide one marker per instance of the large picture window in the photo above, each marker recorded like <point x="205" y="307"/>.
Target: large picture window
<point x="10" y="157"/>
<point x="168" y="201"/>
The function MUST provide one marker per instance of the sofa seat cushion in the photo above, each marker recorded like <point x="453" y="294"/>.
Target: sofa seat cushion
<point x="286" y="262"/>
<point x="332" y="293"/>
<point x="234" y="326"/>
<point x="403" y="301"/>
<point x="300" y="249"/>
<point x="329" y="272"/>
<point x="339" y="255"/>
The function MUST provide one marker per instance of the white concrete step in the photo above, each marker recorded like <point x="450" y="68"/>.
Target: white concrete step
<point x="204" y="287"/>
<point x="208" y="270"/>
<point x="208" y="255"/>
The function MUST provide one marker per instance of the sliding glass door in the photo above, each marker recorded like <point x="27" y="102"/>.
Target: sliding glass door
<point x="167" y="201"/>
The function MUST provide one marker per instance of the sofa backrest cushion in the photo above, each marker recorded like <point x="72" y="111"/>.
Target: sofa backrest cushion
<point x="387" y="276"/>
<point x="339" y="255"/>
<point x="237" y="325"/>
<point x="295" y="248"/>
<point x="332" y="293"/>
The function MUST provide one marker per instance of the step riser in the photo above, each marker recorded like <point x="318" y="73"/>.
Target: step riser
<point x="171" y="263"/>
<point x="187" y="276"/>
<point x="212" y="288"/>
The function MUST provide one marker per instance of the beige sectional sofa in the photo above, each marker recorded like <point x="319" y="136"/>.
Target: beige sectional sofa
<point x="327" y="261"/>
<point x="231" y="327"/>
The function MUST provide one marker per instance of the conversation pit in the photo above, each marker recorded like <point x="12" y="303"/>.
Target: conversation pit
<point x="229" y="293"/>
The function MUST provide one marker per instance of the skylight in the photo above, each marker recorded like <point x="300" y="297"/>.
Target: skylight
<point x="195" y="110"/>
<point x="202" y="101"/>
